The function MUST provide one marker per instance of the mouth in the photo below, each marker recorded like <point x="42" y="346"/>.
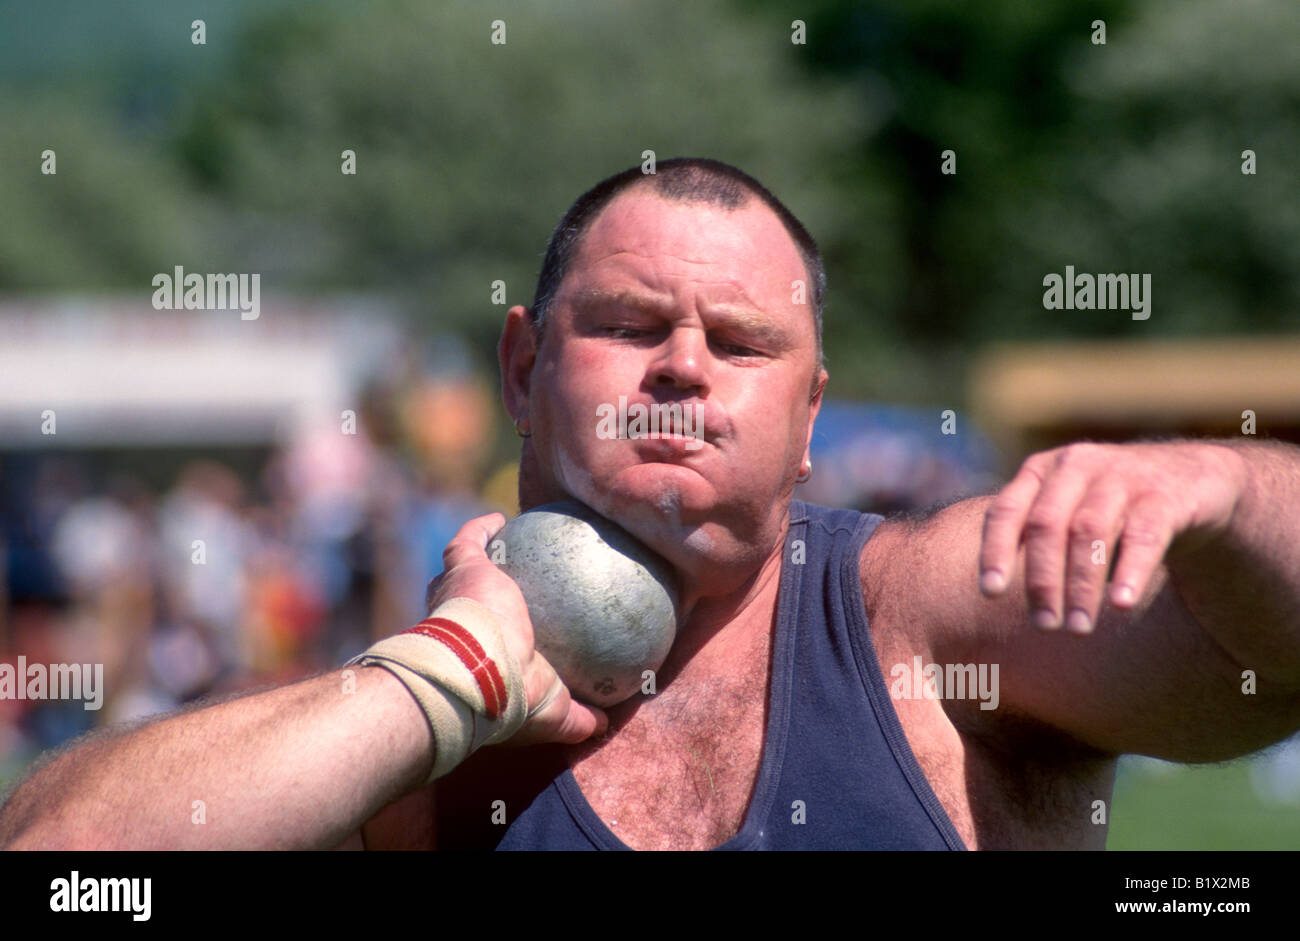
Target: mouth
<point x="675" y="447"/>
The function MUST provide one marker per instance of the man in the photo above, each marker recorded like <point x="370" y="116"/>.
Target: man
<point x="780" y="718"/>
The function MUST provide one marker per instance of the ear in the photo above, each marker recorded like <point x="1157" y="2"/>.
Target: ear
<point x="516" y="354"/>
<point x="815" y="406"/>
<point x="819" y="386"/>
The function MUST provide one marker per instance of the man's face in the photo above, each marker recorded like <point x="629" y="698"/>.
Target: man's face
<point x="685" y="303"/>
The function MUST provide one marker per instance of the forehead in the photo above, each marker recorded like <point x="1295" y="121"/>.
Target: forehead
<point x="655" y="239"/>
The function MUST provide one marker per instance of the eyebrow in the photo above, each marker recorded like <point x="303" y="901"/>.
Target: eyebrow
<point x="598" y="297"/>
<point x="744" y="316"/>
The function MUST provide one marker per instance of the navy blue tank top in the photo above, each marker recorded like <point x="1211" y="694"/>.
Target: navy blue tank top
<point x="836" y="771"/>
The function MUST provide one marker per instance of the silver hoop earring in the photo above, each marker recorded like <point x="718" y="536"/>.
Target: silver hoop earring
<point x="521" y="433"/>
<point x="805" y="473"/>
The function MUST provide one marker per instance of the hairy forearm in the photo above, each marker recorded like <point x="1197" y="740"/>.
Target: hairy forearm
<point x="302" y="766"/>
<point x="1243" y="586"/>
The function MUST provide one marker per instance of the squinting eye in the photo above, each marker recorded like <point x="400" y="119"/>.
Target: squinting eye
<point x="623" y="333"/>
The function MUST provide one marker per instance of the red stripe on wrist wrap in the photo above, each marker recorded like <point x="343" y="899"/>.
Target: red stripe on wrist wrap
<point x="462" y="643"/>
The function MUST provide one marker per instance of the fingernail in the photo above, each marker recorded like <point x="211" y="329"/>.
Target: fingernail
<point x="1078" y="621"/>
<point x="1123" y="594"/>
<point x="1046" y="619"/>
<point x="992" y="581"/>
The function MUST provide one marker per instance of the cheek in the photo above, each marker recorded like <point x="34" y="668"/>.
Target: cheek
<point x="573" y="476"/>
<point x="569" y="417"/>
<point x="775" y="426"/>
<point x="593" y="378"/>
<point x="566" y="395"/>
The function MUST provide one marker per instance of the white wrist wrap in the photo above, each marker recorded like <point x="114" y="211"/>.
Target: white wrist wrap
<point x="457" y="666"/>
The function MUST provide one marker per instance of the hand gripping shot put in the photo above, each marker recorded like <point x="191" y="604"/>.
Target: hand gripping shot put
<point x="604" y="610"/>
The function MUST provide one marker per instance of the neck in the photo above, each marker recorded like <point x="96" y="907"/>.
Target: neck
<point x="724" y="626"/>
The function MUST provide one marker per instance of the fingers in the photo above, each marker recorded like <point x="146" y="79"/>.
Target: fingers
<point x="1003" y="524"/>
<point x="554" y="716"/>
<point x="1076" y="513"/>
<point x="1148" y="532"/>
<point x="1093" y="536"/>
<point x="470" y="543"/>
<point x="1047" y="532"/>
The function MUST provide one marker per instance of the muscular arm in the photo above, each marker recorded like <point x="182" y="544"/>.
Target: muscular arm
<point x="1162" y="677"/>
<point x="301" y="766"/>
<point x="1244" y="586"/>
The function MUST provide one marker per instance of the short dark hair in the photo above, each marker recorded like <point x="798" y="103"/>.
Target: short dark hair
<point x="687" y="179"/>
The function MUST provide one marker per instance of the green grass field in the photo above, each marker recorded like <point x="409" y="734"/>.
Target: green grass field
<point x="1159" y="806"/>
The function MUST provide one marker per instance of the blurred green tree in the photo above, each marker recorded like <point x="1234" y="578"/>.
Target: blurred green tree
<point x="115" y="211"/>
<point x="1123" y="157"/>
<point x="467" y="152"/>
<point x="1116" y="157"/>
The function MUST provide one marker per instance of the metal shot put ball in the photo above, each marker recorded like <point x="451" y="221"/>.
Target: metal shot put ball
<point x="603" y="606"/>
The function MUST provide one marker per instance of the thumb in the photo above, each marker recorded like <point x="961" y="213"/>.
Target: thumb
<point x="563" y="720"/>
<point x="581" y="722"/>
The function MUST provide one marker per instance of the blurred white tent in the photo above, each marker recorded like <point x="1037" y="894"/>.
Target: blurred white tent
<point x="113" y="372"/>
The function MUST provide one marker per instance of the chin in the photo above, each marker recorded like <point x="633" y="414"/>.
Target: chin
<point x="663" y="506"/>
<point x="666" y="490"/>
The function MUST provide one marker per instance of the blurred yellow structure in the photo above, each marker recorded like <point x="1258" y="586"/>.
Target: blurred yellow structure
<point x="1032" y="396"/>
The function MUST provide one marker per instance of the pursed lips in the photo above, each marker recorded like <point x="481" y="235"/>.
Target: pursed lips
<point x="708" y="425"/>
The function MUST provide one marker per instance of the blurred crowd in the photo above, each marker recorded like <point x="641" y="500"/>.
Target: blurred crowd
<point x="211" y="577"/>
<point x="232" y="575"/>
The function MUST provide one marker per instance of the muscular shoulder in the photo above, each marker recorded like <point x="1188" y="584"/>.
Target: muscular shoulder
<point x="920" y="582"/>
<point x="1006" y="779"/>
<point x="919" y="571"/>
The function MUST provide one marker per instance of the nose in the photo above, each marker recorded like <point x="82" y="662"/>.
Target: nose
<point x="682" y="361"/>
